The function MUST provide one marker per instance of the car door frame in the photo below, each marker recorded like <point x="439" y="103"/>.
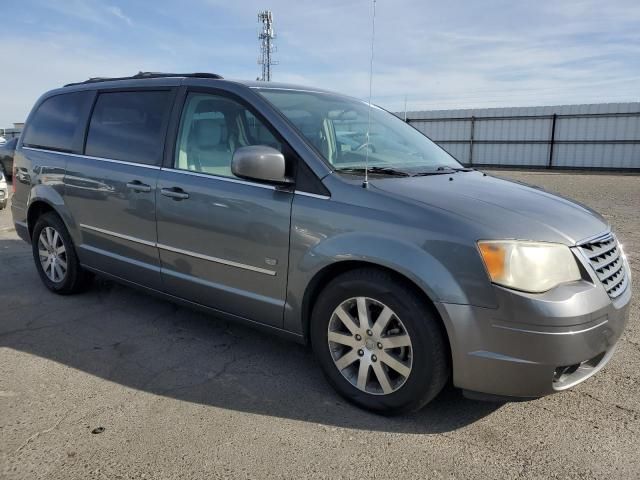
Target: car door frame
<point x="145" y="273"/>
<point x="170" y="147"/>
<point x="245" y="95"/>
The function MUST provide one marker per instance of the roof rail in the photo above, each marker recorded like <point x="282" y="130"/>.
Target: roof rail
<point x="144" y="75"/>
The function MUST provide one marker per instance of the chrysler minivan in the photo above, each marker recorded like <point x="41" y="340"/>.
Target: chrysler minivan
<point x="327" y="220"/>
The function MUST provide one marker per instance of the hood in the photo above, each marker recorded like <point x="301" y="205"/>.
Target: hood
<point x="501" y="209"/>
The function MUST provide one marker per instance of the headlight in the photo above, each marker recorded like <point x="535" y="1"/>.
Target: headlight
<point x="529" y="266"/>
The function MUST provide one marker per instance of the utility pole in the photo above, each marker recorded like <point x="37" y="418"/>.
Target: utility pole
<point x="266" y="37"/>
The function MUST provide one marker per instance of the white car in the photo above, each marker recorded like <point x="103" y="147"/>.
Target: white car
<point x="4" y="191"/>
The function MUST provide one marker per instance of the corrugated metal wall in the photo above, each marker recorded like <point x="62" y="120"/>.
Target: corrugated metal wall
<point x="566" y="136"/>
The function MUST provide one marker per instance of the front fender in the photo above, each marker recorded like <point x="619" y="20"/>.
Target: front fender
<point x="423" y="263"/>
<point x="403" y="257"/>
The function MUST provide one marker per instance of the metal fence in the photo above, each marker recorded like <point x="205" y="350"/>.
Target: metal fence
<point x="605" y="136"/>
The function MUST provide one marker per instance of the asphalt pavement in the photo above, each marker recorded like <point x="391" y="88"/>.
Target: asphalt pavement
<point x="114" y="383"/>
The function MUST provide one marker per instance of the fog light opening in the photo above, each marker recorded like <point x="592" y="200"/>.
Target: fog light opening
<point x="561" y="373"/>
<point x="572" y="374"/>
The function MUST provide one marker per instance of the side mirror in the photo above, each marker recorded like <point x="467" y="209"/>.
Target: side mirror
<point x="260" y="162"/>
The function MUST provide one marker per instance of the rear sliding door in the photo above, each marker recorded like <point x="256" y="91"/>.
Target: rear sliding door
<point x="111" y="188"/>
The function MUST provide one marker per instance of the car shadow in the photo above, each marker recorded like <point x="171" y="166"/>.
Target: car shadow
<point x="131" y="338"/>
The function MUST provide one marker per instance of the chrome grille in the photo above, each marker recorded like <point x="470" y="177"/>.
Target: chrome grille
<point x="604" y="256"/>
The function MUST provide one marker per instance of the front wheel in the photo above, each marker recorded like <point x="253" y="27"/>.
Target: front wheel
<point x="378" y="342"/>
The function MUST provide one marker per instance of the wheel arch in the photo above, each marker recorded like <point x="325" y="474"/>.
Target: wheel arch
<point x="38" y="206"/>
<point x="329" y="272"/>
<point x="36" y="209"/>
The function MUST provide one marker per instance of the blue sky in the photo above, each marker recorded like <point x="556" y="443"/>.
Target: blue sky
<point x="453" y="54"/>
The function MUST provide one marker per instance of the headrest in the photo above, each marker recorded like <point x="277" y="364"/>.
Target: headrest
<point x="205" y="106"/>
<point x="207" y="133"/>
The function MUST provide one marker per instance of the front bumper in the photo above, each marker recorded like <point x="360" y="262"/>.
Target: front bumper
<point x="535" y="344"/>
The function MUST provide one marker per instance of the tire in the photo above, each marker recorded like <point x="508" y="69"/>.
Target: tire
<point x="423" y="356"/>
<point x="63" y="281"/>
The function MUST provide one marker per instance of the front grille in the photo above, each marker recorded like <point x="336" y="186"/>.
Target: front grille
<point x="604" y="255"/>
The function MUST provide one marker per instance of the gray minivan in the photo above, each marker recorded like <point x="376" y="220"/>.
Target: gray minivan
<point x="324" y="219"/>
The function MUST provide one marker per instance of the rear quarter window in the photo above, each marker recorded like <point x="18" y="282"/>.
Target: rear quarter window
<point x="57" y="124"/>
<point x="129" y="126"/>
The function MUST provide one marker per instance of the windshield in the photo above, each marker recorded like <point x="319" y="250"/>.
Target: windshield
<point x="337" y="127"/>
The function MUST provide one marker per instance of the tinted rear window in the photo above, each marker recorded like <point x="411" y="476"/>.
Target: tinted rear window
<point x="56" y="124"/>
<point x="129" y="126"/>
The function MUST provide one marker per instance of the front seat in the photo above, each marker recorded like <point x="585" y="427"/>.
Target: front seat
<point x="208" y="151"/>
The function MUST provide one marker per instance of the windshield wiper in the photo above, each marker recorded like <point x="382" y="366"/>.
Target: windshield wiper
<point x="378" y="170"/>
<point x="443" y="170"/>
<point x="455" y="169"/>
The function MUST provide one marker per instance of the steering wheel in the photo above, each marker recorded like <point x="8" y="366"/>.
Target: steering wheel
<point x="370" y="145"/>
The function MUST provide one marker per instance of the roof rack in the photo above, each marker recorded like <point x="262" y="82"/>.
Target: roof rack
<point x="144" y="75"/>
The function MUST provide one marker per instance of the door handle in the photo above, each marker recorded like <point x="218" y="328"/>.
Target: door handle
<point x="138" y="186"/>
<point x="175" y="192"/>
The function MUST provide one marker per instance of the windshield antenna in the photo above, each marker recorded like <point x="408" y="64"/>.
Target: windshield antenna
<point x="365" y="184"/>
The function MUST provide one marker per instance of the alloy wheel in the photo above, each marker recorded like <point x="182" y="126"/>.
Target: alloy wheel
<point x="53" y="254"/>
<point x="370" y="345"/>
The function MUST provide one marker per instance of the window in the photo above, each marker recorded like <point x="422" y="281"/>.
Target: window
<point x="129" y="126"/>
<point x="211" y="129"/>
<point x="57" y="123"/>
<point x="259" y="133"/>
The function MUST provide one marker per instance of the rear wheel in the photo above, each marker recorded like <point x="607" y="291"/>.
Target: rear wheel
<point x="378" y="342"/>
<point x="55" y="256"/>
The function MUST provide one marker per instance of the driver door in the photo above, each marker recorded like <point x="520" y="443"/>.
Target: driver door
<point x="223" y="241"/>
